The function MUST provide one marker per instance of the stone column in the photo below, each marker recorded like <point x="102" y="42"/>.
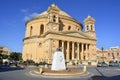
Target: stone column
<point x="68" y="51"/>
<point x="90" y="52"/>
<point x="63" y="46"/>
<point x="86" y="54"/>
<point x="50" y="56"/>
<point x="73" y="51"/>
<point x="81" y="51"/>
<point x="78" y="51"/>
<point x="57" y="44"/>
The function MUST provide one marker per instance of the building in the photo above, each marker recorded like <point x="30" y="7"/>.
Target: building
<point x="54" y="28"/>
<point x="4" y="50"/>
<point x="111" y="54"/>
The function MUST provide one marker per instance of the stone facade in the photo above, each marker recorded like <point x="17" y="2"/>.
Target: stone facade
<point x="4" y="50"/>
<point x="54" y="28"/>
<point x="108" y="55"/>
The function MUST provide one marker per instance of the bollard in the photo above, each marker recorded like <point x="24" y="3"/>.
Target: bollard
<point x="40" y="70"/>
<point x="84" y="69"/>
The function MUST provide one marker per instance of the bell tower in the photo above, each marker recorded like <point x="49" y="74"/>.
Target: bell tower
<point x="89" y="26"/>
<point x="53" y="15"/>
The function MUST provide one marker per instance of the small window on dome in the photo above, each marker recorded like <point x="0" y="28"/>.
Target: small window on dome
<point x="31" y="29"/>
<point x="69" y="28"/>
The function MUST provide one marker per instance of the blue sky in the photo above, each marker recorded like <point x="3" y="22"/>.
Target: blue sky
<point x="14" y="13"/>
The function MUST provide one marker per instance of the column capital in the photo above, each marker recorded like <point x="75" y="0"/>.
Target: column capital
<point x="72" y="41"/>
<point x="78" y="42"/>
<point x="63" y="40"/>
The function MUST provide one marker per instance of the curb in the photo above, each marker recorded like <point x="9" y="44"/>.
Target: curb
<point x="53" y="74"/>
<point x="35" y="73"/>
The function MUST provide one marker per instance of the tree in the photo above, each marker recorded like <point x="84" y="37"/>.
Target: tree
<point x="1" y="51"/>
<point x="1" y="56"/>
<point x="15" y="56"/>
<point x="4" y="56"/>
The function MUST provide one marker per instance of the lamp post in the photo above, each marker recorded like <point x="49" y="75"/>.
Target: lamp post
<point x="102" y="53"/>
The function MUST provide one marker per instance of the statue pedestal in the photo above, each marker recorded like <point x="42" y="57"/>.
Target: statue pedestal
<point x="58" y="61"/>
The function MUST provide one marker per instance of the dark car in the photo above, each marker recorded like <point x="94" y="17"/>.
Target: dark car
<point x="102" y="64"/>
<point x="113" y="64"/>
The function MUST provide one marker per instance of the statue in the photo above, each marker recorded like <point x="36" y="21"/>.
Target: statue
<point x="58" y="61"/>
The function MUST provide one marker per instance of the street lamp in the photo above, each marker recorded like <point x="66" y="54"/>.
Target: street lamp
<point x="102" y="53"/>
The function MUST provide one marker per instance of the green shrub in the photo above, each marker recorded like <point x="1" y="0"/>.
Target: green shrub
<point x="30" y="62"/>
<point x="36" y="64"/>
<point x="0" y="61"/>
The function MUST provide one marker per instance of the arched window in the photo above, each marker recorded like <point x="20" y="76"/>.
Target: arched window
<point x="108" y="54"/>
<point x="54" y="18"/>
<point x="69" y="28"/>
<point x="91" y="27"/>
<point x="61" y="25"/>
<point x="41" y="29"/>
<point x="117" y="54"/>
<point x="113" y="56"/>
<point x="87" y="27"/>
<point x="31" y="28"/>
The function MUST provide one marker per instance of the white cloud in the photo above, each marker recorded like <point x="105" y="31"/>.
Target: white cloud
<point x="24" y="10"/>
<point x="29" y="13"/>
<point x="28" y="17"/>
<point x="34" y="14"/>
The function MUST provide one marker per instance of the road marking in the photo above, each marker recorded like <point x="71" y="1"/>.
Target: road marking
<point x="114" y="69"/>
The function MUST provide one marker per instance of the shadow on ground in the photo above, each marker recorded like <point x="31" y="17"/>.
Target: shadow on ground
<point x="117" y="77"/>
<point x="9" y="68"/>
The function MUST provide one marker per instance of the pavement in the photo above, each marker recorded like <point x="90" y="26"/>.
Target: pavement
<point x="27" y="73"/>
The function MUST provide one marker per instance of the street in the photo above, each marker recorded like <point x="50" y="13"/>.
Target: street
<point x="95" y="73"/>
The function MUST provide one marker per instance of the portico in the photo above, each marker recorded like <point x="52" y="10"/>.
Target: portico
<point x="75" y="50"/>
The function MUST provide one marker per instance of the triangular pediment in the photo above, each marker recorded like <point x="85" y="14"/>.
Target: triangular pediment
<point x="78" y="34"/>
<point x="75" y="34"/>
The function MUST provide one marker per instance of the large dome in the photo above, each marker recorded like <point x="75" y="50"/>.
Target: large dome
<point x="61" y="13"/>
<point x="45" y="14"/>
<point x="54" y="9"/>
<point x="53" y="6"/>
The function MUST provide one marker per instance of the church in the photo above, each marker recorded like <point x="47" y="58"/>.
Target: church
<point x="54" y="29"/>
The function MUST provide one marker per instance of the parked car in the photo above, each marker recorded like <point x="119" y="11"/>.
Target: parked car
<point x="113" y="64"/>
<point x="102" y="64"/>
